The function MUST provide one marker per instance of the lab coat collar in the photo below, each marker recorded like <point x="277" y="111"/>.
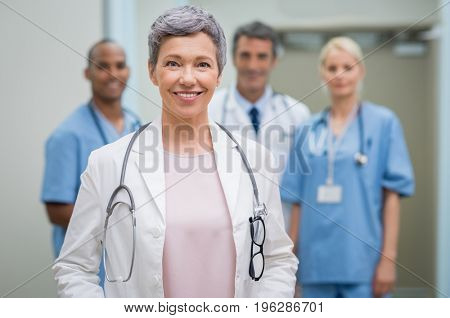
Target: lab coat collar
<point x="150" y="163"/>
<point x="246" y="105"/>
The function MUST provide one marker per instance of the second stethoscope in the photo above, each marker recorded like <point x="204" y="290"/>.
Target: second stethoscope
<point x="96" y="120"/>
<point x="259" y="209"/>
<point x="360" y="156"/>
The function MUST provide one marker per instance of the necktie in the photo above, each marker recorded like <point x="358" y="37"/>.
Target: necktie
<point x="254" y="117"/>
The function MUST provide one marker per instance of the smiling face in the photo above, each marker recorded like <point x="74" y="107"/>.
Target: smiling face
<point x="254" y="59"/>
<point x="108" y="72"/>
<point x="187" y="74"/>
<point x="342" y="73"/>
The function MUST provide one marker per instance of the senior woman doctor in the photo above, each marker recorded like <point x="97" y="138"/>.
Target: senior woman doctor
<point x="349" y="200"/>
<point x="193" y="197"/>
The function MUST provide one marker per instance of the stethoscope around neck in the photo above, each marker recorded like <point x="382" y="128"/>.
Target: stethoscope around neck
<point x="259" y="208"/>
<point x="360" y="157"/>
<point x="98" y="126"/>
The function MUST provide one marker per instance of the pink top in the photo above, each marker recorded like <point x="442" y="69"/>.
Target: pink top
<point x="199" y="258"/>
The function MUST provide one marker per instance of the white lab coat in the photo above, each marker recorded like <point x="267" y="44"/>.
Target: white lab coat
<point x="280" y="117"/>
<point x="76" y="268"/>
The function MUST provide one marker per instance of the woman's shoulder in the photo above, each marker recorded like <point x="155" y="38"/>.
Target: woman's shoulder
<point x="312" y="123"/>
<point x="378" y="112"/>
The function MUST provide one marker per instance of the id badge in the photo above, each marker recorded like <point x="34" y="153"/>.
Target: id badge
<point x="329" y="193"/>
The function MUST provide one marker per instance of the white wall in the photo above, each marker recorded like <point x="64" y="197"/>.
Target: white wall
<point x="41" y="82"/>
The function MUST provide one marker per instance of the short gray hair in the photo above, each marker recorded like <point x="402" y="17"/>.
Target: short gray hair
<point x="187" y="20"/>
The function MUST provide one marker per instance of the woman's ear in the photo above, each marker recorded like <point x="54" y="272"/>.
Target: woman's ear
<point x="363" y="71"/>
<point x="219" y="80"/>
<point x="322" y="73"/>
<point x="151" y="73"/>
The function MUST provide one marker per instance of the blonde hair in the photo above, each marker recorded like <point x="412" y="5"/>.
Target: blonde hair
<point x="342" y="43"/>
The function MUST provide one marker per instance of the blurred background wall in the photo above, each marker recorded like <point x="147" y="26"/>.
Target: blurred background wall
<point x="42" y="82"/>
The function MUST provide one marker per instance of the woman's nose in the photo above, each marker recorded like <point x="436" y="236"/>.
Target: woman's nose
<point x="340" y="73"/>
<point x="187" y="77"/>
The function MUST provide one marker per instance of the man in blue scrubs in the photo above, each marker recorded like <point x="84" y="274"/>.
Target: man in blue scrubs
<point x="100" y="121"/>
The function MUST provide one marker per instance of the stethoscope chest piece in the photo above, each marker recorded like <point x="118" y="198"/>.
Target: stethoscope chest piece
<point x="361" y="159"/>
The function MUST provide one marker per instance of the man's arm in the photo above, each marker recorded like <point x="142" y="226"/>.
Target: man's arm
<point x="294" y="224"/>
<point x="61" y="177"/>
<point x="59" y="213"/>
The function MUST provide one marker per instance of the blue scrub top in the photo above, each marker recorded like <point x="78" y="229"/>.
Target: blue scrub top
<point x="341" y="243"/>
<point x="66" y="155"/>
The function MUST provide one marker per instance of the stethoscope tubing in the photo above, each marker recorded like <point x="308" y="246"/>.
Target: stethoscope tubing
<point x="361" y="156"/>
<point x="258" y="211"/>
<point x="98" y="125"/>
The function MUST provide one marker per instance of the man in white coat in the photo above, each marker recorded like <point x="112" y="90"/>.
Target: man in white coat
<point x="250" y="105"/>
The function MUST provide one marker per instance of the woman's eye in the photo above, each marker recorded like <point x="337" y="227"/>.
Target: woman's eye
<point x="348" y="68"/>
<point x="332" y="69"/>
<point x="171" y="64"/>
<point x="203" y="64"/>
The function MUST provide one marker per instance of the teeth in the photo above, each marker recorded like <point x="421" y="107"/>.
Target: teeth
<point x="187" y="95"/>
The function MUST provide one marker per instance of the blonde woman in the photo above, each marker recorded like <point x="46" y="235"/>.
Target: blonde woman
<point x="345" y="184"/>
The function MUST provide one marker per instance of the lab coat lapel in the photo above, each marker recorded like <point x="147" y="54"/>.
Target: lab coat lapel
<point x="150" y="162"/>
<point x="229" y="166"/>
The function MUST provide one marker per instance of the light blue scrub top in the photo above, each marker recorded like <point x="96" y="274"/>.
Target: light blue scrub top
<point x="340" y="243"/>
<point x="66" y="154"/>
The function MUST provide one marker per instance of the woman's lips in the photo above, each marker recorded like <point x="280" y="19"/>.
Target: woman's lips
<point x="187" y="97"/>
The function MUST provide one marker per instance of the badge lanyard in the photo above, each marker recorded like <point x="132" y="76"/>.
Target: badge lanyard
<point x="334" y="146"/>
<point x="330" y="193"/>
